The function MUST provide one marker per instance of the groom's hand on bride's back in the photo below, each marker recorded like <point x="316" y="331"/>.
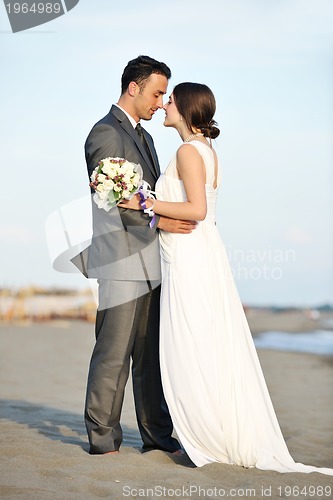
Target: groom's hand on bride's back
<point x="175" y="225"/>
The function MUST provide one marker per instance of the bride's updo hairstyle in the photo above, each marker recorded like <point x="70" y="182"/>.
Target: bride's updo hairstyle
<point x="196" y="103"/>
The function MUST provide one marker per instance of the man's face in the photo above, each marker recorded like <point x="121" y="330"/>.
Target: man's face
<point x="150" y="98"/>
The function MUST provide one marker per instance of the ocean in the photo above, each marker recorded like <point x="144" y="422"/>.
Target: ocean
<point x="316" y="342"/>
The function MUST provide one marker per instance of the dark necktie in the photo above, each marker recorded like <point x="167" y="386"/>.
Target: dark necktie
<point x="143" y="141"/>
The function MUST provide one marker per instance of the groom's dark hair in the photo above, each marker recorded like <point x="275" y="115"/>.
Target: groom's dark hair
<point x="139" y="70"/>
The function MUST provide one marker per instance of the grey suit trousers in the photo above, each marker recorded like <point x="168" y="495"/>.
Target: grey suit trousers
<point x="127" y="330"/>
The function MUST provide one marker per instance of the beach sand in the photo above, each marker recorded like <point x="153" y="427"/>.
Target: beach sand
<point x="44" y="449"/>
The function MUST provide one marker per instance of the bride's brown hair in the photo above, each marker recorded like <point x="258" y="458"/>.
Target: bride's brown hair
<point x="196" y="103"/>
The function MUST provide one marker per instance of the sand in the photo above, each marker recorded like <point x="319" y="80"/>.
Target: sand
<point x="44" y="449"/>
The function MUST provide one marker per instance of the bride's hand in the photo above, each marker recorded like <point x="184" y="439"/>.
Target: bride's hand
<point x="133" y="203"/>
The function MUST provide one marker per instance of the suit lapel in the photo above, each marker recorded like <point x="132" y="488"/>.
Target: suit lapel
<point x="127" y="126"/>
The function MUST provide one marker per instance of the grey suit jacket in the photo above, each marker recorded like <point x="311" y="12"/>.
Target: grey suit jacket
<point x="123" y="246"/>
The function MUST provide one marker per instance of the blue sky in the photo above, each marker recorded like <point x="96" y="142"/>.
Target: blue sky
<point x="269" y="63"/>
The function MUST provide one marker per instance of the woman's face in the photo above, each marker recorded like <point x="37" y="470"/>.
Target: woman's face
<point x="172" y="115"/>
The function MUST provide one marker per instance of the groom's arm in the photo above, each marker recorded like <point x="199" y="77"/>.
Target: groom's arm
<point x="176" y="226"/>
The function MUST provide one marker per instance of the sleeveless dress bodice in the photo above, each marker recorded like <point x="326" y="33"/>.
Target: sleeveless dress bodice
<point x="170" y="187"/>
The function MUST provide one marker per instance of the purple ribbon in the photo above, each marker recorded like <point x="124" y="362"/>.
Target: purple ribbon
<point x="145" y="193"/>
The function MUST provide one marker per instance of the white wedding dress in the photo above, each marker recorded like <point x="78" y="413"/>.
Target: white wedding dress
<point x="212" y="378"/>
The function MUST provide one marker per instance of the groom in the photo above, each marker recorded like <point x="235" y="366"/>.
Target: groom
<point x="124" y="256"/>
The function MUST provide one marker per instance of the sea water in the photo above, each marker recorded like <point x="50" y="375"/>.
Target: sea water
<point x="316" y="342"/>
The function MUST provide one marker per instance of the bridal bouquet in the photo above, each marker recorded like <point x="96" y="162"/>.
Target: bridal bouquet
<point x="115" y="179"/>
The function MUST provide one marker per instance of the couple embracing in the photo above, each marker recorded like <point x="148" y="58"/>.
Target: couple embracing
<point x="167" y="299"/>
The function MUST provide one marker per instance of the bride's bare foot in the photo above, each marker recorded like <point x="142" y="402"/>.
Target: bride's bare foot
<point x="111" y="452"/>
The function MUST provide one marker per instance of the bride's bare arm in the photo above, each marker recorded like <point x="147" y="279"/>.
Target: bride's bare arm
<point x="191" y="170"/>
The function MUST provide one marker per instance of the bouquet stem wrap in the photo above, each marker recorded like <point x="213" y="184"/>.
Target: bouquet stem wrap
<point x="145" y="192"/>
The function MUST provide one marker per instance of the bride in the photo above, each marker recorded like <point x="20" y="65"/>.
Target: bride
<point x="212" y="379"/>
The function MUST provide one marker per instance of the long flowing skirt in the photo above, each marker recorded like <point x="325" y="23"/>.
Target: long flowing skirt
<point x="212" y="378"/>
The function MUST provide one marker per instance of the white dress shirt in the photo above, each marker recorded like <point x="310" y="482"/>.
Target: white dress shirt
<point x="131" y="119"/>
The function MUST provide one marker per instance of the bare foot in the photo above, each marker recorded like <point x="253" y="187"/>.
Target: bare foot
<point x="179" y="453"/>
<point x="111" y="452"/>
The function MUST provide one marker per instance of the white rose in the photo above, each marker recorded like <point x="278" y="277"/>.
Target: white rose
<point x="108" y="184"/>
<point x="127" y="166"/>
<point x="117" y="188"/>
<point x="136" y="179"/>
<point x="127" y="178"/>
<point x="126" y="194"/>
<point x="101" y="177"/>
<point x="113" y="171"/>
<point x="107" y="169"/>
<point x="93" y="176"/>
